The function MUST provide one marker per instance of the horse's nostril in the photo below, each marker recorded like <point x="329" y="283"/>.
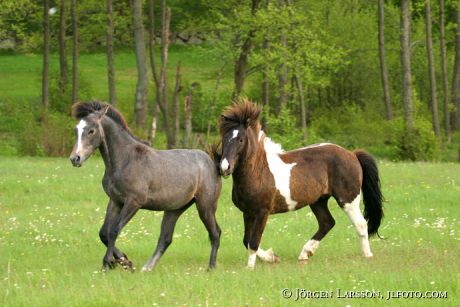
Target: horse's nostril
<point x="77" y="159"/>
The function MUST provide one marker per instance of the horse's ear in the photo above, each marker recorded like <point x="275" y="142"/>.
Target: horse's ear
<point x="103" y="111"/>
<point x="247" y="123"/>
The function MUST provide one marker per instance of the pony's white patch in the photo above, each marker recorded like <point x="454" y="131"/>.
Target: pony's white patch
<point x="224" y="165"/>
<point x="357" y="219"/>
<point x="267" y="256"/>
<point x="235" y="133"/>
<point x="81" y="125"/>
<point x="252" y="258"/>
<point x="261" y="133"/>
<point x="308" y="249"/>
<point x="281" y="171"/>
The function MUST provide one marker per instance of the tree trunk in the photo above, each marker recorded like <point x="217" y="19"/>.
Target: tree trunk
<point x="156" y="102"/>
<point x="213" y="101"/>
<point x="188" y="116"/>
<point x="140" y="106"/>
<point x="408" y="104"/>
<point x="73" y="12"/>
<point x="265" y="91"/>
<point x="241" y="63"/>
<point x="176" y="115"/>
<point x="432" y="72"/>
<point x="282" y="81"/>
<point x="46" y="54"/>
<point x="110" y="68"/>
<point x="64" y="71"/>
<point x="303" y="109"/>
<point x="383" y="64"/>
<point x="445" y="85"/>
<point x="164" y="105"/>
<point x="456" y="73"/>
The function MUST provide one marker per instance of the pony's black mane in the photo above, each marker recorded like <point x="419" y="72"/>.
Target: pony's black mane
<point x="83" y="109"/>
<point x="241" y="112"/>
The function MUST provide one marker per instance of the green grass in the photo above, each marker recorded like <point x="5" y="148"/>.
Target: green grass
<point x="50" y="253"/>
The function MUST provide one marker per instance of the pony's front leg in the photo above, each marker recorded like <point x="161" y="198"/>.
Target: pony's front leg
<point x="265" y="255"/>
<point x="111" y="215"/>
<point x="256" y="230"/>
<point x="127" y="212"/>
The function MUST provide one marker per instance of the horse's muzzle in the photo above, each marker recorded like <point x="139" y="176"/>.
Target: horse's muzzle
<point x="76" y="160"/>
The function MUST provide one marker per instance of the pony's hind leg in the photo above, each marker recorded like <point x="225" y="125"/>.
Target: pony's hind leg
<point x="167" y="229"/>
<point x="357" y="219"/>
<point x="325" y="224"/>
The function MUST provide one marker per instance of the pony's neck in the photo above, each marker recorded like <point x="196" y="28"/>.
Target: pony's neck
<point x="115" y="141"/>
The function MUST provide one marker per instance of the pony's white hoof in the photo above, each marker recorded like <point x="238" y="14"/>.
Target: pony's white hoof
<point x="145" y="269"/>
<point x="303" y="261"/>
<point x="368" y="255"/>
<point x="273" y="258"/>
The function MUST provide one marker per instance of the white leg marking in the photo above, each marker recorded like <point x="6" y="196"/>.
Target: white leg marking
<point x="357" y="219"/>
<point x="281" y="171"/>
<point x="235" y="133"/>
<point x="267" y="256"/>
<point x="309" y="249"/>
<point x="81" y="125"/>
<point x="224" y="164"/>
<point x="252" y="258"/>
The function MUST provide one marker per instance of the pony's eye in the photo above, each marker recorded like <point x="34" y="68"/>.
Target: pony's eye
<point x="91" y="132"/>
<point x="241" y="140"/>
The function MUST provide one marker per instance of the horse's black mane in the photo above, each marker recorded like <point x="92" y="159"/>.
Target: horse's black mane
<point x="241" y="112"/>
<point x="83" y="109"/>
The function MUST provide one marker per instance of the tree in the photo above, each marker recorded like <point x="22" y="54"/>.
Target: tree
<point x="156" y="102"/>
<point x="46" y="52"/>
<point x="445" y="85"/>
<point x="176" y="113"/>
<point x="432" y="72"/>
<point x="109" y="40"/>
<point x="64" y="71"/>
<point x="383" y="65"/>
<point x="408" y="104"/>
<point x="140" y="105"/>
<point x="456" y="73"/>
<point x="241" y="64"/>
<point x="73" y="13"/>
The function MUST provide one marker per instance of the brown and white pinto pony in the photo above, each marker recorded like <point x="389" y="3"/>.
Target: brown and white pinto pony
<point x="267" y="180"/>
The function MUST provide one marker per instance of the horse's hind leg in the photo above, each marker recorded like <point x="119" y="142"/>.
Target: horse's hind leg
<point x="110" y="216"/>
<point x="207" y="213"/>
<point x="167" y="229"/>
<point x="357" y="219"/>
<point x="325" y="224"/>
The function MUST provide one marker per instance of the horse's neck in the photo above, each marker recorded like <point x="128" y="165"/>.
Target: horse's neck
<point x="115" y="143"/>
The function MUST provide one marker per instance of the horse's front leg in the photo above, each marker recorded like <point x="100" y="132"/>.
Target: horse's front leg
<point x="128" y="210"/>
<point x="112" y="213"/>
<point x="256" y="230"/>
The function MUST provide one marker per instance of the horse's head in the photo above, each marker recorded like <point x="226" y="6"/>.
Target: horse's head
<point x="89" y="135"/>
<point x="238" y="126"/>
<point x="234" y="143"/>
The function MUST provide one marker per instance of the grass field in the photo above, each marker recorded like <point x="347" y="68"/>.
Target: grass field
<point x="50" y="254"/>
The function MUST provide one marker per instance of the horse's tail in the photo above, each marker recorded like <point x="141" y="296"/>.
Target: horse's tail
<point x="372" y="194"/>
<point x="214" y="151"/>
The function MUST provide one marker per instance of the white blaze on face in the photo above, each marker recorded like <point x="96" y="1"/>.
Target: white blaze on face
<point x="224" y="165"/>
<point x="81" y="125"/>
<point x="235" y="133"/>
<point x="281" y="171"/>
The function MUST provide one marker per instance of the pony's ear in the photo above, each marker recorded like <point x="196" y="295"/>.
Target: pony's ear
<point x="247" y="123"/>
<point x="103" y="111"/>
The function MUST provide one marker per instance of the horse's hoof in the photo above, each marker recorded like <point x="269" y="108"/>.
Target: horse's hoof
<point x="303" y="261"/>
<point x="276" y="258"/>
<point x="126" y="264"/>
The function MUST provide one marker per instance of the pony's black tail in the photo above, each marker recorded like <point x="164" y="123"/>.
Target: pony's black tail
<point x="372" y="195"/>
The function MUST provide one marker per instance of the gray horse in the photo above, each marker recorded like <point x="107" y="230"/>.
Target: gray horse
<point x="139" y="177"/>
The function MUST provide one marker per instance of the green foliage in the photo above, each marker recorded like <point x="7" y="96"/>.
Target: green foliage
<point x="419" y="143"/>
<point x="284" y="130"/>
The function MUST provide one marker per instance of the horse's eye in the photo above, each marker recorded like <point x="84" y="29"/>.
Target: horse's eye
<point x="241" y="140"/>
<point x="91" y="132"/>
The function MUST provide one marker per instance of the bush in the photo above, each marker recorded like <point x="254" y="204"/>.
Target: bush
<point x="419" y="143"/>
<point x="283" y="129"/>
